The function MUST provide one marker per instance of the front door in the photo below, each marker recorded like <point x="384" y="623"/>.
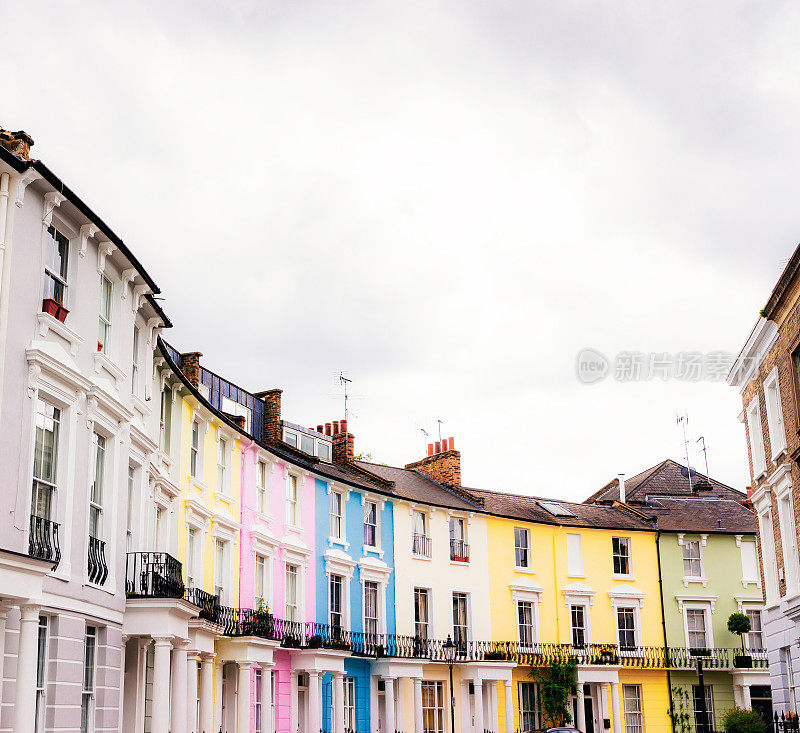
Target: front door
<point x="301" y="710"/>
<point x="588" y="707"/>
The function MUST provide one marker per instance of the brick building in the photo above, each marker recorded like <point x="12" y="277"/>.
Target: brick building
<point x="766" y="373"/>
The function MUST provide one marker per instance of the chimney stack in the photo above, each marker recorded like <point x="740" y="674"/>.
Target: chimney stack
<point x="442" y="464"/>
<point x="343" y="443"/>
<point x="17" y="143"/>
<point x="272" y="414"/>
<point x="190" y="366"/>
<point x="622" y="487"/>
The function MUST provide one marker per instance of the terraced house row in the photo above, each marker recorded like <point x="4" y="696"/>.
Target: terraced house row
<point x="178" y="556"/>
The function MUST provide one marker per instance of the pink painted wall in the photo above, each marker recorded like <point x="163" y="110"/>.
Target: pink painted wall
<point x="276" y="490"/>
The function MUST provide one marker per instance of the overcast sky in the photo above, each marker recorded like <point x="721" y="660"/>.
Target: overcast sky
<point x="447" y="201"/>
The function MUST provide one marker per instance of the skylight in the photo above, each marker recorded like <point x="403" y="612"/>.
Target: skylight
<point x="555" y="509"/>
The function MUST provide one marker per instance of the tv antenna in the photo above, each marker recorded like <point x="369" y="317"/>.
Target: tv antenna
<point x="425" y="434"/>
<point x="440" y="429"/>
<point x="344" y="381"/>
<point x="702" y="440"/>
<point x="683" y="421"/>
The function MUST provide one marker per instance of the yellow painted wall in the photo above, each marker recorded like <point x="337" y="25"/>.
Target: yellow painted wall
<point x="204" y="486"/>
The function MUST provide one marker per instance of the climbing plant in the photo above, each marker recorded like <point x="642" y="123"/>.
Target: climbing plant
<point x="557" y="682"/>
<point x="682" y="718"/>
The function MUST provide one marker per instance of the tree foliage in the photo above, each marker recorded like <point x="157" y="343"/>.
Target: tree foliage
<point x="557" y="682"/>
<point x="739" y="624"/>
<point x="737" y="720"/>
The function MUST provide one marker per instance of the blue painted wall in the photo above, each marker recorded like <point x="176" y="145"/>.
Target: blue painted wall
<point x="359" y="670"/>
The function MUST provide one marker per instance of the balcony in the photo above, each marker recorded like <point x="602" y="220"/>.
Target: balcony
<point x="43" y="540"/>
<point x="153" y="575"/>
<point x="459" y="551"/>
<point x="207" y="603"/>
<point x="98" y="569"/>
<point x="421" y="545"/>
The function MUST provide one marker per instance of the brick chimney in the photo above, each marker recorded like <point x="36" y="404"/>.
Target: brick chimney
<point x="190" y="366"/>
<point x="17" y="143"/>
<point x="343" y="443"/>
<point x="237" y="420"/>
<point x="442" y="464"/>
<point x="272" y="414"/>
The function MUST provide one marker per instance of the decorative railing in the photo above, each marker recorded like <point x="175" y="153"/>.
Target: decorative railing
<point x="681" y="658"/>
<point x="98" y="569"/>
<point x="153" y="575"/>
<point x="421" y="545"/>
<point x="43" y="540"/>
<point x="459" y="550"/>
<point x="206" y="602"/>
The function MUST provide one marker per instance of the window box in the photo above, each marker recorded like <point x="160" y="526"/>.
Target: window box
<point x="55" y="309"/>
<point x="607" y="656"/>
<point x="700" y="652"/>
<point x="743" y="661"/>
<point x="315" y="642"/>
<point x="290" y="642"/>
<point x="496" y="656"/>
<point x="380" y="651"/>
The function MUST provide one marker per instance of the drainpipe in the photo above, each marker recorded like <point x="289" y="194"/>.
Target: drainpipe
<point x="6" y="226"/>
<point x="664" y="630"/>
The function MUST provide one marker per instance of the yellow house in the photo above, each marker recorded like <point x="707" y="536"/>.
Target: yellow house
<point x="579" y="580"/>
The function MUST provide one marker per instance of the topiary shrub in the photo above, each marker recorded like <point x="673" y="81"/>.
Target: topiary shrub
<point x="737" y="720"/>
<point x="739" y="624"/>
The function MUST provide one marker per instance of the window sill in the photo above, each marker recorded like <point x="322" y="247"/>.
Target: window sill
<point x="751" y="581"/>
<point x="344" y="544"/>
<point x="49" y="323"/>
<point x="527" y="571"/>
<point x="461" y="563"/>
<point x="198" y="484"/>
<point x="374" y="550"/>
<point x="265" y="518"/>
<point x="576" y="575"/>
<point x="421" y="557"/>
<point x="780" y="454"/>
<point x="624" y="576"/>
<point x="141" y="406"/>
<point x="702" y="581"/>
<point x="226" y="499"/>
<point x="102" y="361"/>
<point x="293" y="528"/>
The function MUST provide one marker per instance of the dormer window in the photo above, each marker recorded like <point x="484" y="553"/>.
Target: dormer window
<point x="308" y="441"/>
<point x="55" y="266"/>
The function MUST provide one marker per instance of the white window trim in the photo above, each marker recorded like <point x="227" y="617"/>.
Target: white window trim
<point x="338" y="563"/>
<point x="707" y="607"/>
<point x="431" y="611"/>
<point x="529" y="567"/>
<point x="763" y="508"/>
<point x="465" y="518"/>
<point x="756" y="437"/>
<point x="702" y="540"/>
<point x="775" y="427"/>
<point x="301" y="480"/>
<point x="300" y="562"/>
<point x="428" y="512"/>
<point x="740" y="543"/>
<point x="782" y="488"/>
<point x="570" y="574"/>
<point x="628" y="597"/>
<point x="267" y="579"/>
<point x="379" y="507"/>
<point x="330" y="489"/>
<point x="468" y="593"/>
<point x="377" y="572"/>
<point x="629" y="575"/>
<point x="261" y="457"/>
<point x="532" y="594"/>
<point x="587" y="621"/>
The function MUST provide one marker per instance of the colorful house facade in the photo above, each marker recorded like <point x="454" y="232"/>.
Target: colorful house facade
<point x="179" y="557"/>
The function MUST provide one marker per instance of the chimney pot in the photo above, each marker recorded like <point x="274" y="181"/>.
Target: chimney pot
<point x="319" y="428"/>
<point x="336" y="427"/>
<point x="430" y="449"/>
<point x="452" y="443"/>
<point x="343" y="426"/>
<point x="327" y="428"/>
<point x="622" y="496"/>
<point x="437" y="447"/>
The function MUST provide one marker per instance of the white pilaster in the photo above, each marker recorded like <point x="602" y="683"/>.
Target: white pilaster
<point x="510" y="707"/>
<point x="418" y="705"/>
<point x="615" y="707"/>
<point x="219" y="671"/>
<point x="493" y="708"/>
<point x="746" y="702"/>
<point x="266" y="698"/>
<point x="159" y="720"/>
<point x="178" y="685"/>
<point x="390" y="726"/>
<point x="191" y="691"/>
<point x="466" y="718"/>
<point x="373" y="703"/>
<point x="314" y="703"/>
<point x="25" y="691"/>
<point x="293" y="711"/>
<point x="400" y="703"/>
<point x="3" y="618"/>
<point x="479" y="728"/>
<point x="581" y="708"/>
<point x="337" y="724"/>
<point x="206" y="723"/>
<point x="243" y="698"/>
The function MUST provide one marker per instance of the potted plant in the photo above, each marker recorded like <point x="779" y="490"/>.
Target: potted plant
<point x="315" y="642"/>
<point x="739" y="624"/>
<point x="50" y="306"/>
<point x="380" y="650"/>
<point x="607" y="655"/>
<point x="697" y="652"/>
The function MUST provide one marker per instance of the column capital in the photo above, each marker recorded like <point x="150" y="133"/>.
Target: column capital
<point x="338" y="675"/>
<point x="206" y="657"/>
<point x="313" y="673"/>
<point x="162" y="640"/>
<point x="181" y="644"/>
<point x="30" y="611"/>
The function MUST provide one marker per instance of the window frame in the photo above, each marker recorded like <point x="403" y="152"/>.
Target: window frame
<point x="262" y="472"/>
<point x="223" y="468"/>
<point x="42" y="658"/>
<point x="705" y="609"/>
<point x="96" y="497"/>
<point x="420" y="625"/>
<point x="525" y="713"/>
<point x="260" y="578"/>
<point x="105" y="315"/>
<point x="433" y="690"/>
<point x="759" y="615"/>
<point x="295" y="569"/>
<point x="585" y="629"/>
<point x="465" y="595"/>
<point x="618" y="557"/>
<point x="685" y="543"/>
<point x="376" y="619"/>
<point x="195" y="451"/>
<point x="634" y="630"/>
<point x="528" y="564"/>
<point x="89" y="679"/>
<point x="51" y="485"/>
<point x="336" y="601"/>
<point x="709" y="690"/>
<point x="293" y="502"/>
<point x="60" y="278"/>
<point x="775" y="426"/>
<point x="638" y="712"/>
<point x="755" y="432"/>
<point x="336" y="515"/>
<point x="375" y="544"/>
<point x="530" y="605"/>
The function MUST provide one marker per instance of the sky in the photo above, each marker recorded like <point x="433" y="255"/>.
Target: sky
<point x="446" y="201"/>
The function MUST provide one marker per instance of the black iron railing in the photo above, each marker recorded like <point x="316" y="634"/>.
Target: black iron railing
<point x="206" y="602"/>
<point x="459" y="550"/>
<point x="421" y="545"/>
<point x="785" y="723"/>
<point x="153" y="575"/>
<point x="98" y="569"/>
<point x="43" y="540"/>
